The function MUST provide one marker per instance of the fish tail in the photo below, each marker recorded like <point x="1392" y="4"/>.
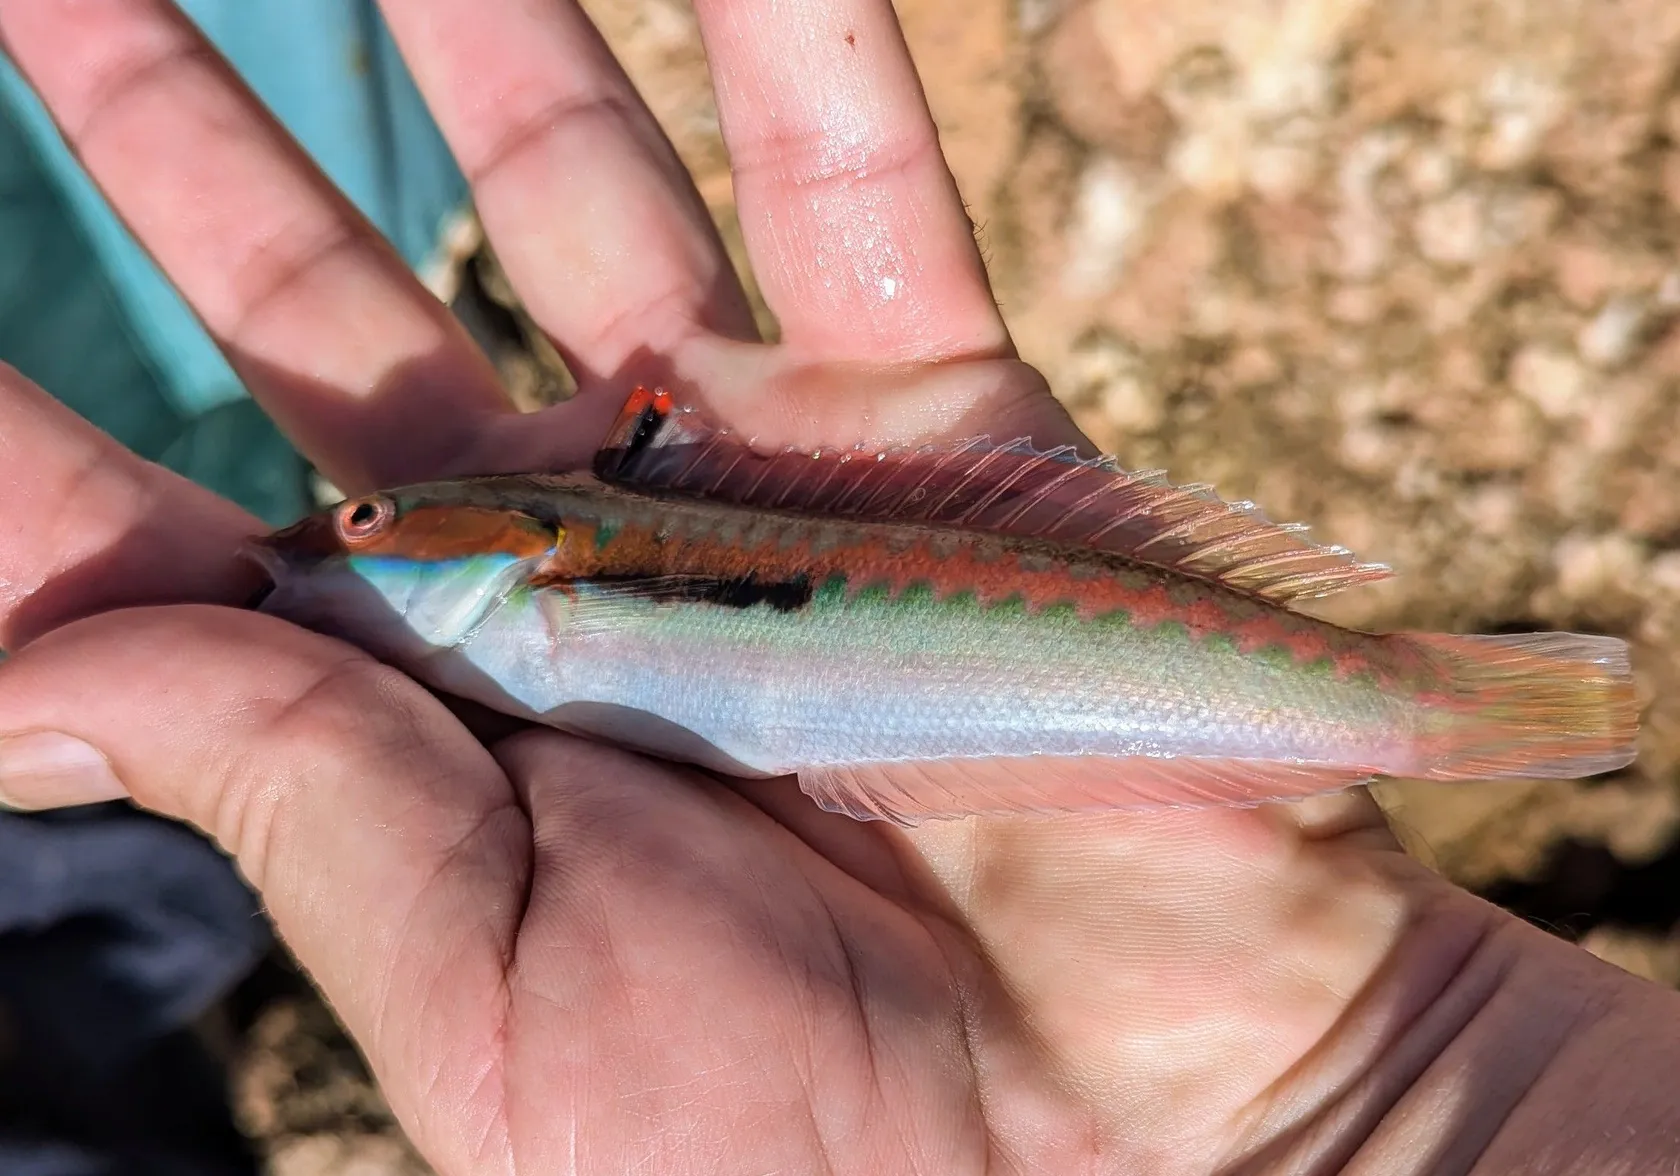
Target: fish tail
<point x="1534" y="705"/>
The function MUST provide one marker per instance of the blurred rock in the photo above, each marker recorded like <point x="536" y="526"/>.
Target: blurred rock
<point x="1110" y="208"/>
<point x="1452" y="230"/>
<point x="345" y="1155"/>
<point x="971" y="62"/>
<point x="1486" y="833"/>
<point x="1105" y="370"/>
<point x="1248" y="82"/>
<point x="1083" y="89"/>
<point x="1509" y="441"/>
<point x="1551" y="378"/>
<point x="1609" y="339"/>
<point x="1655" y="957"/>
<point x="303" y="1092"/>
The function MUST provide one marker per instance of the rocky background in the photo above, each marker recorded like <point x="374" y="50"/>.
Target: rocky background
<point x="1404" y="270"/>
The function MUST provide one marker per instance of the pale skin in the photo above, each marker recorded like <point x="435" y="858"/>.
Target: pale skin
<point x="563" y="958"/>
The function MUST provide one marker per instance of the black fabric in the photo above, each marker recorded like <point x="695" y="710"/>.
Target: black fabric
<point x="118" y="931"/>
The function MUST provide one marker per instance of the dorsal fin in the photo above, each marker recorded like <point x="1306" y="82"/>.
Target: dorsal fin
<point x="1011" y="488"/>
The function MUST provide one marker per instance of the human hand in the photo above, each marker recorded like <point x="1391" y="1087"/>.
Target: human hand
<point x="562" y="957"/>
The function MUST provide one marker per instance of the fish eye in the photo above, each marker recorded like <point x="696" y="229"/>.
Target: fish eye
<point x="359" y="520"/>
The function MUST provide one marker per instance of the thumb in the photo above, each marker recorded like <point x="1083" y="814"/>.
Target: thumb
<point x="385" y="841"/>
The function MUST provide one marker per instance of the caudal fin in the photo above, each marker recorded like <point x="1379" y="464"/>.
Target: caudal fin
<point x="1538" y="705"/>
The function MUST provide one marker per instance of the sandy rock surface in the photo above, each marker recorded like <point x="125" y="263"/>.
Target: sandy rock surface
<point x="1404" y="270"/>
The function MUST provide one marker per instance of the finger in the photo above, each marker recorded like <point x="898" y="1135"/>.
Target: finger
<point x="86" y="525"/>
<point x="595" y="218"/>
<point x="376" y="829"/>
<point x="1351" y="817"/>
<point x="852" y="220"/>
<point x="367" y="372"/>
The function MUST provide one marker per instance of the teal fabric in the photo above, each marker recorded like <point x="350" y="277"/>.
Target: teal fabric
<point x="84" y="312"/>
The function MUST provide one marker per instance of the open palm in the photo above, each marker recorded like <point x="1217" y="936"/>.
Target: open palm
<point x="561" y="957"/>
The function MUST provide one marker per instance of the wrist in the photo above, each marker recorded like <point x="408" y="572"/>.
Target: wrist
<point x="1484" y="1044"/>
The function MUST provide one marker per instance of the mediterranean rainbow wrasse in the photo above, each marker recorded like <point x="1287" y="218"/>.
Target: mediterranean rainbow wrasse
<point x="953" y="630"/>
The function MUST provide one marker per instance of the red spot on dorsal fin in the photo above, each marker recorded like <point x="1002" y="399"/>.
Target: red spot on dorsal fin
<point x="1008" y="488"/>
<point x="643" y="399"/>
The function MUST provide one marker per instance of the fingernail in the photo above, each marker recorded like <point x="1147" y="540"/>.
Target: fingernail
<point x="44" y="769"/>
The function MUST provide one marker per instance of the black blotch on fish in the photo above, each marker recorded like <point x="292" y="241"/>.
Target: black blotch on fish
<point x="788" y="595"/>
<point x="609" y="462"/>
<point x="782" y="595"/>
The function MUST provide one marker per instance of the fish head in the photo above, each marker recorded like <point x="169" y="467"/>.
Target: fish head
<point x="401" y="574"/>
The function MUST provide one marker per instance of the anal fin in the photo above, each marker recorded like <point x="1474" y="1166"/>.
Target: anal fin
<point x="907" y="792"/>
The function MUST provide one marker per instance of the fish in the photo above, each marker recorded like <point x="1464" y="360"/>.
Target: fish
<point x="941" y="631"/>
